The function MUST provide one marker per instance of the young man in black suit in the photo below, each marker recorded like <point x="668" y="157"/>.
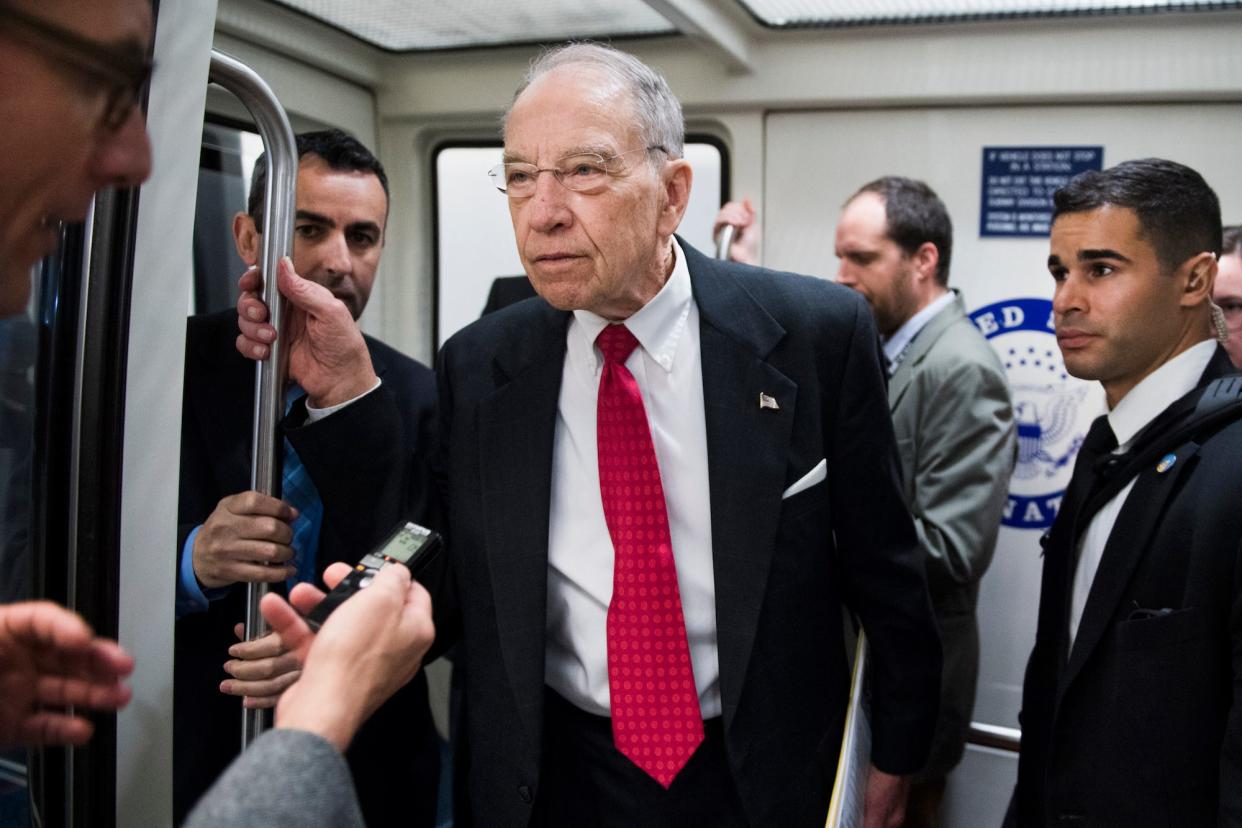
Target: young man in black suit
<point x="649" y="549"/>
<point x="230" y="536"/>
<point x="1130" y="711"/>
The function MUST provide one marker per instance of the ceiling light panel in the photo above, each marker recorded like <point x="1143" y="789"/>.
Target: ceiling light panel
<point x="411" y="25"/>
<point x="813" y="13"/>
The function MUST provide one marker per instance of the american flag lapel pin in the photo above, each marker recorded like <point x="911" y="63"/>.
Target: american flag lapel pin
<point x="766" y="401"/>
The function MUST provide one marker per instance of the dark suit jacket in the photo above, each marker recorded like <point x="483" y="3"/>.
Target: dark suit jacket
<point x="1142" y="725"/>
<point x="400" y="741"/>
<point x="783" y="567"/>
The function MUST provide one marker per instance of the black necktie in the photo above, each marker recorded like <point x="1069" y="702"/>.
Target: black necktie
<point x="1088" y="474"/>
<point x="1061" y="547"/>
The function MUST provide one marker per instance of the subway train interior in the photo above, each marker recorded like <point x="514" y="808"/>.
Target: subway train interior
<point x="790" y="103"/>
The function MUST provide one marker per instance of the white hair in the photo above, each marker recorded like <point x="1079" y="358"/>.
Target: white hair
<point x="658" y="111"/>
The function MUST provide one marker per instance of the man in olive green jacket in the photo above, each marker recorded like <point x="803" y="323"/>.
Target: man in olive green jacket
<point x="954" y="423"/>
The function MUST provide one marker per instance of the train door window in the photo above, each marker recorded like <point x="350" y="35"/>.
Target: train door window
<point x="229" y="151"/>
<point x="474" y="235"/>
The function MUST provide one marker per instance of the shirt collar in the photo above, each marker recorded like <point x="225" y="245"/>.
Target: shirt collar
<point x="657" y="325"/>
<point x="904" y="335"/>
<point x="1158" y="390"/>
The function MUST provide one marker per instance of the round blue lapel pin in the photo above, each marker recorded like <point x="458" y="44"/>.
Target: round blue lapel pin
<point x="1166" y="463"/>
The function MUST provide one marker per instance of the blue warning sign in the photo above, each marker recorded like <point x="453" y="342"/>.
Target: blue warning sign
<point x="1018" y="183"/>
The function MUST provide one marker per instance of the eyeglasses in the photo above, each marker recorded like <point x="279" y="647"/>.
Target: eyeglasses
<point x="582" y="173"/>
<point x="121" y="70"/>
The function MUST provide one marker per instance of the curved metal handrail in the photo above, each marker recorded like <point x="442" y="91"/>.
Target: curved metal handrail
<point x="279" y="202"/>
<point x="995" y="736"/>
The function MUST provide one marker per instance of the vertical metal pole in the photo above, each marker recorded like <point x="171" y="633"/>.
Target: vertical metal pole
<point x="279" y="201"/>
<point x="724" y="241"/>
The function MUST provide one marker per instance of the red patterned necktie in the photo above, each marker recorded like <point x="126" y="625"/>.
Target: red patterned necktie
<point x="655" y="707"/>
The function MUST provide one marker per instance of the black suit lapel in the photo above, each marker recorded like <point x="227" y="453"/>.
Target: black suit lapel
<point x="1126" y="546"/>
<point x="747" y="450"/>
<point x="517" y="425"/>
<point x="1137" y="521"/>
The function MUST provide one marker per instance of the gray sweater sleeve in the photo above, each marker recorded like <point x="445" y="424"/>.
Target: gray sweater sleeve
<point x="288" y="778"/>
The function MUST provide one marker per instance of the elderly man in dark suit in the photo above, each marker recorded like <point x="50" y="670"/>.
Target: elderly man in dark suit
<point x="230" y="535"/>
<point x="1130" y="711"/>
<point x="665" y="477"/>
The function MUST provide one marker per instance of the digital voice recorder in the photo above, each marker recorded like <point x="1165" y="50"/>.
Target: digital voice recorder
<point x="411" y="545"/>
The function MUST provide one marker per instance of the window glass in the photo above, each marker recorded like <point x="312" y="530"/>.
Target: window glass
<point x="225" y="164"/>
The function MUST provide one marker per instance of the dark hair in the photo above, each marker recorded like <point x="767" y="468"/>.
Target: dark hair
<point x="1231" y="240"/>
<point x="1176" y="209"/>
<point x="339" y="150"/>
<point x="915" y="215"/>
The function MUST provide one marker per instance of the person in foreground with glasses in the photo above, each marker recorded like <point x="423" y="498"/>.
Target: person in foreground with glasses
<point x="665" y="476"/>
<point x="71" y="72"/>
<point x="72" y="122"/>
<point x="1228" y="292"/>
<point x="69" y="103"/>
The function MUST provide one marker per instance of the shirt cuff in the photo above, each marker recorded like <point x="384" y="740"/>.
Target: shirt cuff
<point x="314" y="415"/>
<point x="191" y="597"/>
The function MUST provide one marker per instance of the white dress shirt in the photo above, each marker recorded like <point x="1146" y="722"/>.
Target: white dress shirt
<point x="895" y="346"/>
<point x="669" y="373"/>
<point x="1156" y="392"/>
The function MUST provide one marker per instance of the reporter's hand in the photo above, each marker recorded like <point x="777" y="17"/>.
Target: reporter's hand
<point x="368" y="648"/>
<point x="49" y="658"/>
<point x="885" y="804"/>
<point x="243" y="540"/>
<point x="740" y="214"/>
<point x="324" y="349"/>
<point x="261" y="669"/>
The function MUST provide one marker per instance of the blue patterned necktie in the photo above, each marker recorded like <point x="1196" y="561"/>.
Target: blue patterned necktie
<point x="298" y="490"/>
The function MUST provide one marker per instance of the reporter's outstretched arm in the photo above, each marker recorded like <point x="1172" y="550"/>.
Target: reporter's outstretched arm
<point x="371" y="646"/>
<point x="51" y="661"/>
<point x="286" y="778"/>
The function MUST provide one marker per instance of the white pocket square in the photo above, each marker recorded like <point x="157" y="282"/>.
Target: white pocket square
<point x="815" y="475"/>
